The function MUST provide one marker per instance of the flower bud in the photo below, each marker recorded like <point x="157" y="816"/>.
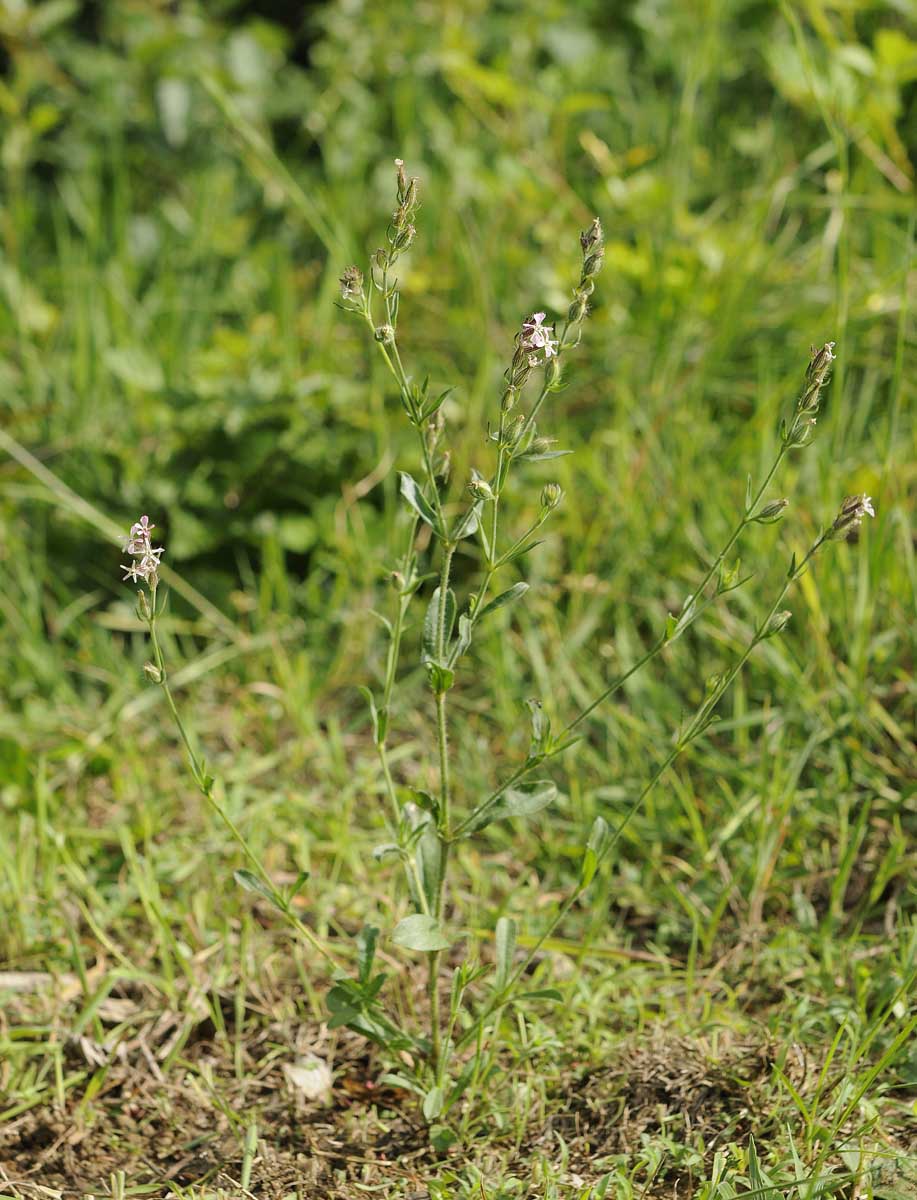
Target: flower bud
<point x="479" y="488"/>
<point x="384" y="334"/>
<point x="800" y="432"/>
<point x="816" y="375"/>
<point x="821" y="363"/>
<point x="551" y="496"/>
<point x="728" y="577"/>
<point x="143" y="607"/>
<point x="578" y="309"/>
<point x="512" y="431"/>
<point x="521" y="366"/>
<point x="771" y="512"/>
<point x="712" y="683"/>
<point x="352" y="284"/>
<point x="153" y="673"/>
<point x="851" y="515"/>
<point x="777" y="623"/>
<point x="405" y="233"/>
<point x="593" y="264"/>
<point x="542" y="445"/>
<point x="591" y="238"/>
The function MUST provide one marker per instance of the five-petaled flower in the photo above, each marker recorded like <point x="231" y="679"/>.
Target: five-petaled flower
<point x="139" y="545"/>
<point x="536" y="336"/>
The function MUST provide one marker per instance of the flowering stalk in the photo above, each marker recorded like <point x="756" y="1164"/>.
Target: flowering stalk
<point x="427" y="828"/>
<point x="423" y="418"/>
<point x="145" y="571"/>
<point x="536" y="346"/>
<point x="602" y="841"/>
<point x="516" y="439"/>
<point x="793" y="434"/>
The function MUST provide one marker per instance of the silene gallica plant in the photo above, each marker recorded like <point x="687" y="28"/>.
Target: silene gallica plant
<point x="453" y="1054"/>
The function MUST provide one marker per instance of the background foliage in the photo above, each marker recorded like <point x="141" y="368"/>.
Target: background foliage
<point x="182" y="186"/>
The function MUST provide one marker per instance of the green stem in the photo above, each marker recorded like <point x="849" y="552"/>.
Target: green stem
<point x="695" y="729"/>
<point x="651" y="653"/>
<point x="395" y="365"/>
<point x="206" y="788"/>
<point x="498" y="485"/>
<point x="660" y="643"/>
<point x="443" y="823"/>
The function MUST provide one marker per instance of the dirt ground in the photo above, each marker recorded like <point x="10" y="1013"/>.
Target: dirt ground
<point x="168" y="1102"/>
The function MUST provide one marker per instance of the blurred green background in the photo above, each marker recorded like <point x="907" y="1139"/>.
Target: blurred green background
<point x="182" y="186"/>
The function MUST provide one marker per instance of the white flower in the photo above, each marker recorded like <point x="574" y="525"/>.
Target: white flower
<point x="536" y="336"/>
<point x="851" y="515"/>
<point x="140" y="547"/>
<point x="139" y="537"/>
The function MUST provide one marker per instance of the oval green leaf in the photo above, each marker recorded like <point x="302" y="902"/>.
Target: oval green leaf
<point x="420" y="932"/>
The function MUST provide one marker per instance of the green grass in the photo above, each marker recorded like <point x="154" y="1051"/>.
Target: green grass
<point x="746" y="966"/>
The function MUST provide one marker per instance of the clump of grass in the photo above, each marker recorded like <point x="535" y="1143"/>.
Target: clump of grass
<point x="450" y="1057"/>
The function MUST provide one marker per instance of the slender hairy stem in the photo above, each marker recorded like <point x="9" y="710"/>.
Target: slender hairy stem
<point x="404" y="580"/>
<point x="500" y="479"/>
<point x="392" y="358"/>
<point x="694" y="729"/>
<point x="656" y="648"/>
<point x="206" y="788"/>
<point x="660" y="643"/>
<point x="443" y="822"/>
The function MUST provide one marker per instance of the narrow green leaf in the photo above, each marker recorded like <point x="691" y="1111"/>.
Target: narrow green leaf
<point x="544" y="456"/>
<point x="367" y="939"/>
<point x="425" y="801"/>
<point x="485" y="542"/>
<point x="528" y="798"/>
<point x="250" y="881"/>
<point x="415" y="497"/>
<point x="401" y="1081"/>
<point x="430" y="635"/>
<point x="595" y="849"/>
<point x="429" y="858"/>
<point x="525" y="800"/>
<point x="420" y="932"/>
<point x="463" y="641"/>
<point x="386" y="850"/>
<point x="433" y="1103"/>
<point x="675" y="626"/>
<point x="373" y="713"/>
<point x="520" y="553"/>
<point x="507" y="597"/>
<point x="469" y="523"/>
<point x="297" y="887"/>
<point x="761" y="1182"/>
<point x="551" y="994"/>
<point x="432" y="407"/>
<point x="505" y="938"/>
